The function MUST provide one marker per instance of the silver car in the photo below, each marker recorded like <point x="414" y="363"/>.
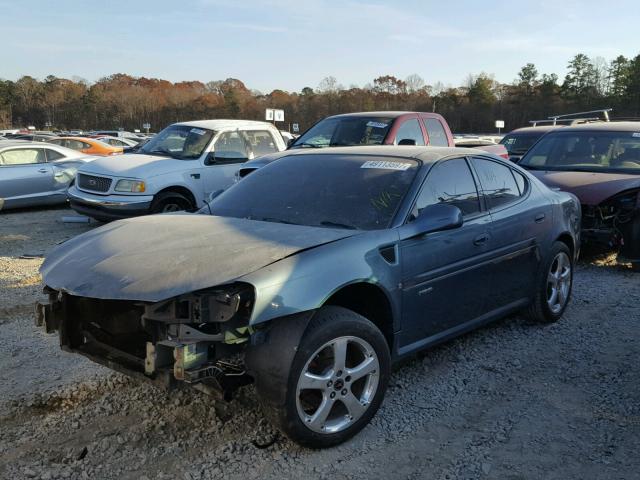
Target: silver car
<point x="36" y="173"/>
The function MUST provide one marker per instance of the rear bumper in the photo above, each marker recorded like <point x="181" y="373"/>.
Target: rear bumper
<point x="108" y="206"/>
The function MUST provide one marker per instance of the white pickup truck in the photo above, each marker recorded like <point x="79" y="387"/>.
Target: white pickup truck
<point x="177" y="169"/>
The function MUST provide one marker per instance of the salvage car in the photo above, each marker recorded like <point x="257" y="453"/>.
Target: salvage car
<point x="313" y="275"/>
<point x="600" y="164"/>
<point x="36" y="173"/>
<point x="175" y="170"/>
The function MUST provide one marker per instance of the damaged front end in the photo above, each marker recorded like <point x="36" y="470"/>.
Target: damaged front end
<point x="196" y="338"/>
<point x="614" y="223"/>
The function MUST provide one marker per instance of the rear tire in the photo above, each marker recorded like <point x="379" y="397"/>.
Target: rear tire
<point x="171" y="202"/>
<point x="554" y="285"/>
<point x="336" y="381"/>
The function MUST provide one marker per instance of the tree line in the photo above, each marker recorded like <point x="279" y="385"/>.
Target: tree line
<point x="124" y="101"/>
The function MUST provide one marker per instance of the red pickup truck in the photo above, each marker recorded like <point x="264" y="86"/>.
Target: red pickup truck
<point x="371" y="128"/>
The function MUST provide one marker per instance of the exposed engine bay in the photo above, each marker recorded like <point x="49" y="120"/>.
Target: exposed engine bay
<point x="195" y="338"/>
<point x="615" y="223"/>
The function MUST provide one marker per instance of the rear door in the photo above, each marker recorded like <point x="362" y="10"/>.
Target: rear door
<point x="436" y="133"/>
<point x="445" y="276"/>
<point x="24" y="174"/>
<point x="519" y="221"/>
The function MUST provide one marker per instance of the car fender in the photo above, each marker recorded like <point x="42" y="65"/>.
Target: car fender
<point x="305" y="281"/>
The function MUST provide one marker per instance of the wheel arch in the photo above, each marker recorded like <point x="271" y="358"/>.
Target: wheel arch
<point x="567" y="239"/>
<point x="369" y="300"/>
<point x="184" y="191"/>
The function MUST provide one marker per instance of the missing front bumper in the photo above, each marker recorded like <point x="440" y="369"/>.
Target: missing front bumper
<point x="117" y="335"/>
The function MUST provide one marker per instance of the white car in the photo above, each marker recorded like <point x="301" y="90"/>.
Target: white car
<point x="178" y="169"/>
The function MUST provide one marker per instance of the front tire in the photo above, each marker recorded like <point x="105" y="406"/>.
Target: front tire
<point x="167" y="202"/>
<point x="554" y="285"/>
<point x="336" y="381"/>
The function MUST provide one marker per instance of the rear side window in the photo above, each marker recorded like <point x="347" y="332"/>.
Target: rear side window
<point x="52" y="155"/>
<point x="498" y="183"/>
<point x="449" y="182"/>
<point x="437" y="135"/>
<point x="521" y="181"/>
<point x="23" y="156"/>
<point x="410" y="130"/>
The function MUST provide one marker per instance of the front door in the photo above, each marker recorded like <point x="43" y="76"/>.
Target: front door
<point x="24" y="174"/>
<point x="445" y="275"/>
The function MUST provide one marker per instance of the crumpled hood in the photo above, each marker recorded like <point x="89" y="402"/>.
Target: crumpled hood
<point x="157" y="257"/>
<point x="135" y="165"/>
<point x="591" y="188"/>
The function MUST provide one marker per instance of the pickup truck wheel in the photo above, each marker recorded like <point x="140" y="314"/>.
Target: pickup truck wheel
<point x="554" y="284"/>
<point x="170" y="202"/>
<point x="336" y="381"/>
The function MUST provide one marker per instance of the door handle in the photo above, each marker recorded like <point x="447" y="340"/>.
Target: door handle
<point x="195" y="175"/>
<point x="43" y="170"/>
<point x="481" y="239"/>
<point x="539" y="218"/>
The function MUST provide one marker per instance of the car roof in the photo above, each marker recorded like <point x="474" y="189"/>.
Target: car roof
<point x="23" y="143"/>
<point x="604" y="127"/>
<point x="425" y="154"/>
<point x="220" y="124"/>
<point x="540" y="129"/>
<point x="384" y="114"/>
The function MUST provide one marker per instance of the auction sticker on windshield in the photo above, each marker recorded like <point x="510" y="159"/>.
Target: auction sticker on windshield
<point x="198" y="131"/>
<point x="377" y="124"/>
<point x="386" y="165"/>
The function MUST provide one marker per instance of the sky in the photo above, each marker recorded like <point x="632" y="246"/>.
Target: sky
<point x="290" y="45"/>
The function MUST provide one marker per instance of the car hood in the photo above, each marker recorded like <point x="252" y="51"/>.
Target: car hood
<point x="591" y="188"/>
<point x="157" y="257"/>
<point x="266" y="159"/>
<point x="135" y="165"/>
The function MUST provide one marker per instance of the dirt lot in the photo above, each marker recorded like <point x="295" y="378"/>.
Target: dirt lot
<point x="511" y="401"/>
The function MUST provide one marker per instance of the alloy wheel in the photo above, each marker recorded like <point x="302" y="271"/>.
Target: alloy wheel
<point x="559" y="282"/>
<point x="337" y="384"/>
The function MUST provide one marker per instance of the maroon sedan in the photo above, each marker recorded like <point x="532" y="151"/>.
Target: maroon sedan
<point x="600" y="164"/>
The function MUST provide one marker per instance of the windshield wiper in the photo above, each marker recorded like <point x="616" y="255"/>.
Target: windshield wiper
<point x="164" y="152"/>
<point x="272" y="219"/>
<point x="328" y="223"/>
<point x="307" y="144"/>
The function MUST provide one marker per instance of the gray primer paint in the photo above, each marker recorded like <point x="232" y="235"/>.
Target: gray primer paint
<point x="160" y="256"/>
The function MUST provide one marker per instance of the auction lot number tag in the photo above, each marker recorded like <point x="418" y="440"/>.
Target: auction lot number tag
<point x="385" y="165"/>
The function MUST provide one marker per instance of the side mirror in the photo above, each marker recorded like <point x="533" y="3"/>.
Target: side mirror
<point x="213" y="195"/>
<point x="407" y="141"/>
<point x="290" y="142"/>
<point x="434" y="218"/>
<point x="225" y="158"/>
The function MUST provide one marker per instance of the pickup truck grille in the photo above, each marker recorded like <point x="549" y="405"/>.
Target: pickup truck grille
<point x="95" y="184"/>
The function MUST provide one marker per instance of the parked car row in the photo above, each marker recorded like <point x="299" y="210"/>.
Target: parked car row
<point x="310" y="269"/>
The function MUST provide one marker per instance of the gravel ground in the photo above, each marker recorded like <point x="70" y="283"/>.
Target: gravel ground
<point x="511" y="400"/>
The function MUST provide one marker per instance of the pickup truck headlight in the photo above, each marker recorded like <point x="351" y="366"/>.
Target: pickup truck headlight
<point x="131" y="186"/>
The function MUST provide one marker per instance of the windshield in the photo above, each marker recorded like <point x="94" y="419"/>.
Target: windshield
<point x="345" y="131"/>
<point x="336" y="191"/>
<point x="179" y="141"/>
<point x="588" y="151"/>
<point x="519" y="144"/>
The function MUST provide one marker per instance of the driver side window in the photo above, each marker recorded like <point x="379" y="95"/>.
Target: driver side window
<point x="449" y="182"/>
<point x="230" y="147"/>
